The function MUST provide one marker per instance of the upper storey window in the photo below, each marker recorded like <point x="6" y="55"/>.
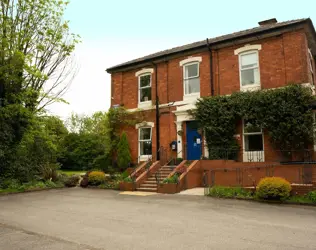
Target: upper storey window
<point x="191" y="78"/>
<point x="249" y="71"/>
<point x="144" y="87"/>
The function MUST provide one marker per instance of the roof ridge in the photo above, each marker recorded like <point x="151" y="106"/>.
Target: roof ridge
<point x="211" y="40"/>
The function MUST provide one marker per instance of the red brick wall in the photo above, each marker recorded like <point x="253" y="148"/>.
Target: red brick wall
<point x="226" y="173"/>
<point x="283" y="59"/>
<point x="167" y="133"/>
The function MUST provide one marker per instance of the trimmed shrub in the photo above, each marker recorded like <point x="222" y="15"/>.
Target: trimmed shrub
<point x="123" y="153"/>
<point x="273" y="188"/>
<point x="229" y="192"/>
<point x="312" y="196"/>
<point x="173" y="179"/>
<point x="124" y="175"/>
<point x="128" y="179"/>
<point x="96" y="178"/>
<point x="72" y="181"/>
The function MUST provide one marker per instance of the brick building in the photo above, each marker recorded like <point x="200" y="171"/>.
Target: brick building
<point x="271" y="55"/>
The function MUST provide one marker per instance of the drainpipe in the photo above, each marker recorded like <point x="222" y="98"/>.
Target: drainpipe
<point x="211" y="67"/>
<point x="157" y="115"/>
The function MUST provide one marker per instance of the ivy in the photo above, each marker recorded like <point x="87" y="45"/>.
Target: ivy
<point x="118" y="119"/>
<point x="283" y="113"/>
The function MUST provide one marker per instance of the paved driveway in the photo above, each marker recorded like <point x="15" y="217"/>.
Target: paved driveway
<point x="100" y="219"/>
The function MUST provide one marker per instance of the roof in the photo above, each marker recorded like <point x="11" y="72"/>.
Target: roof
<point x="195" y="45"/>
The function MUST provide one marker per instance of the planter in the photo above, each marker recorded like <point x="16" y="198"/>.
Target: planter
<point x="168" y="188"/>
<point x="127" y="186"/>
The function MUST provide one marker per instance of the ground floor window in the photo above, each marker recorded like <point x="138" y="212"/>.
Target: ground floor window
<point x="144" y="139"/>
<point x="253" y="140"/>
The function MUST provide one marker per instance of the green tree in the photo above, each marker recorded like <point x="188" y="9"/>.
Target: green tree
<point x="35" y="70"/>
<point x="123" y="152"/>
<point x="80" y="151"/>
<point x="35" y="52"/>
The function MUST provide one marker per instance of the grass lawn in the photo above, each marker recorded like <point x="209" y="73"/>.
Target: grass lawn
<point x="70" y="172"/>
<point x="11" y="190"/>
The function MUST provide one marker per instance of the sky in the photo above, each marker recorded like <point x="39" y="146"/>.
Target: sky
<point x="115" y="31"/>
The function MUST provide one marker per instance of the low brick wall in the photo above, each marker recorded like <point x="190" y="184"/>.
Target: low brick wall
<point x="230" y="173"/>
<point x="302" y="189"/>
<point x="127" y="186"/>
<point x="297" y="189"/>
<point x="168" y="188"/>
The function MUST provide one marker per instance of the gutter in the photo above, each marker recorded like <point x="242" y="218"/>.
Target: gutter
<point x="157" y="115"/>
<point x="211" y="67"/>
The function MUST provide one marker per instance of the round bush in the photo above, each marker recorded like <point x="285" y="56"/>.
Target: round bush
<point x="96" y="178"/>
<point x="273" y="188"/>
<point x="312" y="196"/>
<point x="72" y="181"/>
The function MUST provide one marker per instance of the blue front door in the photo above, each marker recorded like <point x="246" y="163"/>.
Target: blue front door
<point x="194" y="141"/>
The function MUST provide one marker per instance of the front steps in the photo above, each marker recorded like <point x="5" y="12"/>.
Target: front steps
<point x="150" y="185"/>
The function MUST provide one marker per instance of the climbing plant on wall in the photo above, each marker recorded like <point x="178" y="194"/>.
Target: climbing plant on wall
<point x="118" y="120"/>
<point x="284" y="113"/>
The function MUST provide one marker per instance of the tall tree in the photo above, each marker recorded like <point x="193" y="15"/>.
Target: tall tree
<point x="35" y="52"/>
<point x="35" y="69"/>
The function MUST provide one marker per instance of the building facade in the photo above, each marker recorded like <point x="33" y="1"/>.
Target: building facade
<point x="271" y="55"/>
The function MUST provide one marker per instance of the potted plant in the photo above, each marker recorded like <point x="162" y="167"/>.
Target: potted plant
<point x="169" y="185"/>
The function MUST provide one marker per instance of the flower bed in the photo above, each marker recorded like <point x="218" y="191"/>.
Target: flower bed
<point x="250" y="194"/>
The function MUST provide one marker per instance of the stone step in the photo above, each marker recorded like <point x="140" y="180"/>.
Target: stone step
<point x="166" y="169"/>
<point x="147" y="189"/>
<point x="144" y="185"/>
<point x="150" y="181"/>
<point x="154" y="179"/>
<point x="159" y="175"/>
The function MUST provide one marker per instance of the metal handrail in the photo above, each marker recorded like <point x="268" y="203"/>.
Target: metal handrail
<point x="158" y="173"/>
<point x="276" y="155"/>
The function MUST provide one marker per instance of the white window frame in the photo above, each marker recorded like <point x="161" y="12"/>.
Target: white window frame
<point x="256" y="85"/>
<point x="246" y="153"/>
<point x="141" y="88"/>
<point x="144" y="157"/>
<point x="192" y="77"/>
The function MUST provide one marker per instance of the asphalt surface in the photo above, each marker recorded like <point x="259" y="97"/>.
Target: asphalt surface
<point x="103" y="219"/>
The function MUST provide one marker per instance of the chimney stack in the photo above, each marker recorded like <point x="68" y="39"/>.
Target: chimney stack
<point x="268" y="21"/>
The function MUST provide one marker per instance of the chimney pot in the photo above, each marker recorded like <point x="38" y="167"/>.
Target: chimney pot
<point x="268" y="21"/>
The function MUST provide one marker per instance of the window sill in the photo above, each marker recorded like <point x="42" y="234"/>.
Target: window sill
<point x="253" y="87"/>
<point x="191" y="98"/>
<point x="147" y="104"/>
